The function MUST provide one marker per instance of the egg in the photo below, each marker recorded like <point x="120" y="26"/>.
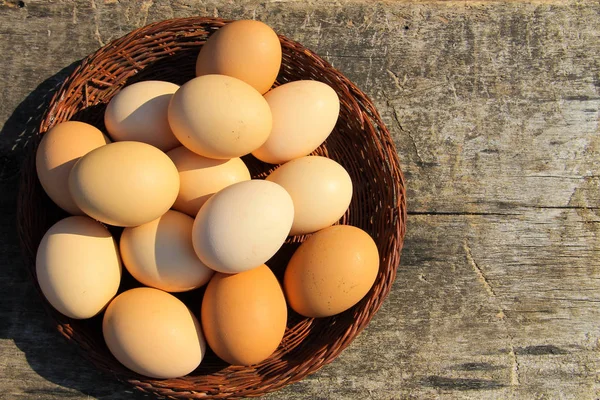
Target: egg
<point x="201" y="177"/>
<point x="124" y="183"/>
<point x="321" y="190"/>
<point x="218" y="116"/>
<point x="160" y="254"/>
<point x="153" y="333"/>
<point x="331" y="271"/>
<point x="58" y="151"/>
<point x="304" y="113"/>
<point x="139" y="113"/>
<point x="244" y="315"/>
<point x="242" y="226"/>
<point x="78" y="267"/>
<point x="248" y="50"/>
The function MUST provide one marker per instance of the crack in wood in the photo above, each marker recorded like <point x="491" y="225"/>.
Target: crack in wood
<point x="458" y="213"/>
<point x="145" y="9"/>
<point x="410" y="136"/>
<point x="396" y="79"/>
<point x="570" y="299"/>
<point x="96" y="23"/>
<point x="561" y="207"/>
<point x="557" y="176"/>
<point x="514" y="372"/>
<point x="478" y="270"/>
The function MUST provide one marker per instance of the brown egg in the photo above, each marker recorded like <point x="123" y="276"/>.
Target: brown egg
<point x="218" y="116"/>
<point x="59" y="150"/>
<point x="244" y="315"/>
<point x="153" y="333"/>
<point x="160" y="254"/>
<point x="78" y="267"/>
<point x="247" y="50"/>
<point x="124" y="183"/>
<point x="201" y="177"/>
<point x="331" y="271"/>
<point x="139" y="113"/>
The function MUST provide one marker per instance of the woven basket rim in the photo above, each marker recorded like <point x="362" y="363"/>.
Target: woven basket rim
<point x="368" y="118"/>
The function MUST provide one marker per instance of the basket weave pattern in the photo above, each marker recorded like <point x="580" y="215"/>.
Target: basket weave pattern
<point x="360" y="142"/>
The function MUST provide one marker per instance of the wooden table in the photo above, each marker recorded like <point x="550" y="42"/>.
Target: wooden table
<point x="494" y="110"/>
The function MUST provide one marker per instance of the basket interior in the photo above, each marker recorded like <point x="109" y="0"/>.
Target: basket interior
<point x="360" y="142"/>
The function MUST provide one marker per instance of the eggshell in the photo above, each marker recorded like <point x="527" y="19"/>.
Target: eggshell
<point x="321" y="190"/>
<point x="243" y="225"/>
<point x="124" y="183"/>
<point x="78" y="267"/>
<point x="58" y="151"/>
<point x="331" y="271"/>
<point x="139" y="113"/>
<point x="218" y="116"/>
<point x="160" y="254"/>
<point x="304" y="113"/>
<point x="248" y="50"/>
<point x="201" y="177"/>
<point x="244" y="315"/>
<point x="153" y="333"/>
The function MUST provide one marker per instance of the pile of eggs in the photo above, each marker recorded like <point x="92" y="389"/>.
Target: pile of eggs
<point x="169" y="172"/>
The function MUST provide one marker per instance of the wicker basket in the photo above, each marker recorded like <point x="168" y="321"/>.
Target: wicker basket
<point x="360" y="142"/>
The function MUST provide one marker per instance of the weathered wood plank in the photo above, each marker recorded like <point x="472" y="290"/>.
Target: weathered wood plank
<point x="494" y="110"/>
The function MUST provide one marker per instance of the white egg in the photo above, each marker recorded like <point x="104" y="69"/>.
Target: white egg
<point x="243" y="225"/>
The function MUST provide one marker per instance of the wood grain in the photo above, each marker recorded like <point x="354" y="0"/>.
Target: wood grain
<point x="494" y="111"/>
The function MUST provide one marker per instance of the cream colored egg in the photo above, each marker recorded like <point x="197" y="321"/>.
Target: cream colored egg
<point x="78" y="267"/>
<point x="139" y="113"/>
<point x="304" y="114"/>
<point x="321" y="190"/>
<point x="124" y="183"/>
<point x="243" y="225"/>
<point x="201" y="177"/>
<point x="153" y="333"/>
<point x="218" y="116"/>
<point x="59" y="150"/>
<point x="160" y="254"/>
